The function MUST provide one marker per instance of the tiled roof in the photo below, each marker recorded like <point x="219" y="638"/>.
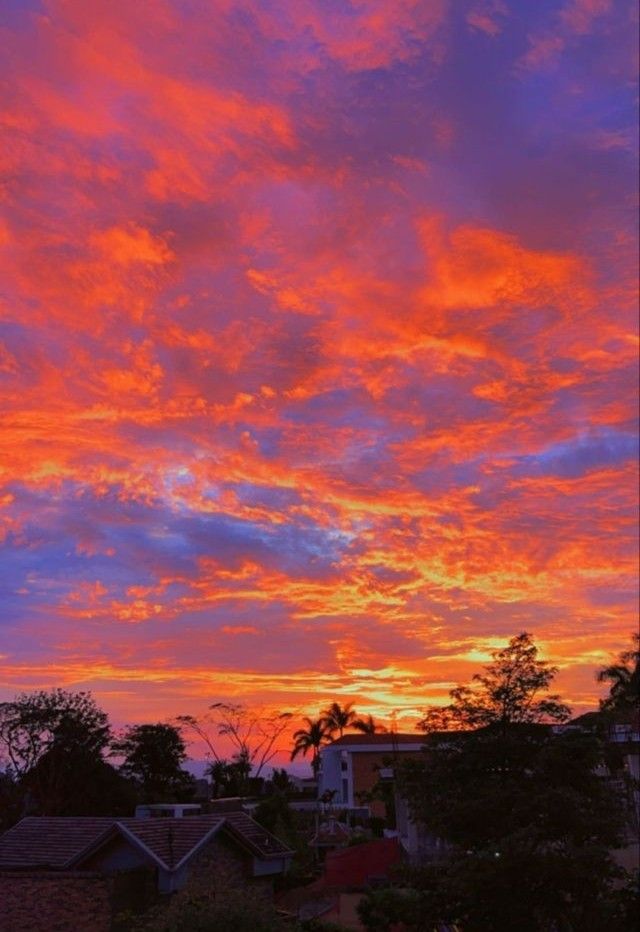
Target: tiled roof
<point x="171" y="840"/>
<point x="387" y="738"/>
<point x="49" y="842"/>
<point x="65" y="841"/>
<point x="247" y="830"/>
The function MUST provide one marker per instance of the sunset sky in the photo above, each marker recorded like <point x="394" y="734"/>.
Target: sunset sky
<point x="318" y="347"/>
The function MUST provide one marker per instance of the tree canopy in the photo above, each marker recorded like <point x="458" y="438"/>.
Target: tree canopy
<point x="623" y="678"/>
<point x="153" y="758"/>
<point x="34" y="723"/>
<point x="253" y="734"/>
<point x="510" y="691"/>
<point x="522" y="805"/>
<point x="311" y="738"/>
<point x="337" y="717"/>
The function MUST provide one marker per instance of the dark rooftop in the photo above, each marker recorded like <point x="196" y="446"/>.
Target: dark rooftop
<point x="386" y="738"/>
<point x="63" y="842"/>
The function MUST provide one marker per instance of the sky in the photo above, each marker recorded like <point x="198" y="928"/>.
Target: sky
<point x="318" y="347"/>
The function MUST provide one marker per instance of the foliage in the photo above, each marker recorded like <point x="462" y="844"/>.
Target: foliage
<point x="210" y="908"/>
<point x="36" y="723"/>
<point x="624" y="679"/>
<point x="11" y="802"/>
<point x="76" y="782"/>
<point x="528" y="817"/>
<point x="507" y="693"/>
<point x="368" y="726"/>
<point x="254" y="735"/>
<point x="153" y="758"/>
<point x="274" y="813"/>
<point x="337" y="717"/>
<point x="230" y="777"/>
<point x="280" y="782"/>
<point x="311" y="738"/>
<point x="54" y="743"/>
<point x="292" y="828"/>
<point x="383" y="910"/>
<point x="216" y="903"/>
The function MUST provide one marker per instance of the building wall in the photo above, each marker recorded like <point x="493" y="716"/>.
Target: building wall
<point x="220" y="861"/>
<point x="330" y="777"/>
<point x="44" y="901"/>
<point x="350" y="770"/>
<point x="118" y="855"/>
<point x="364" y="769"/>
<point x="222" y="867"/>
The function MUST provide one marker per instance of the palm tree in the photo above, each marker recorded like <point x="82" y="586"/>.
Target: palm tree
<point x="624" y="677"/>
<point x="368" y="726"/>
<point x="338" y="717"/>
<point x="311" y="739"/>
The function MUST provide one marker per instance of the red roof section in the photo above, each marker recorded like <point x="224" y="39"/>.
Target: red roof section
<point x="353" y="866"/>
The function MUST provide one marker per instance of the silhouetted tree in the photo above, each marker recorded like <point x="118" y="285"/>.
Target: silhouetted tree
<point x="230" y="777"/>
<point x="311" y="738"/>
<point x="153" y="758"/>
<point x="510" y="691"/>
<point x="529" y="820"/>
<point x="53" y="742"/>
<point x="280" y="782"/>
<point x="624" y="679"/>
<point x="337" y="717"/>
<point x="253" y="735"/>
<point x="35" y="723"/>
<point x="11" y="801"/>
<point x="75" y="781"/>
<point x="368" y="726"/>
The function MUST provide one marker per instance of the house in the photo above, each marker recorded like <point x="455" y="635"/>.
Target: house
<point x="362" y="865"/>
<point x="350" y="766"/>
<point x="347" y="872"/>
<point x="123" y="864"/>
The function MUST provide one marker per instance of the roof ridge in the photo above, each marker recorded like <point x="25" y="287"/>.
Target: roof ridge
<point x="140" y="844"/>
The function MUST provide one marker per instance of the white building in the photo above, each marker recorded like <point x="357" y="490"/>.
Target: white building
<point x="350" y="766"/>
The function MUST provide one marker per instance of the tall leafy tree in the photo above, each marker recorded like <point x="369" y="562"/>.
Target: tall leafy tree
<point x="513" y="689"/>
<point x="312" y="738"/>
<point x="528" y="818"/>
<point x="35" y="723"/>
<point x="54" y="743"/>
<point x="76" y="782"/>
<point x="153" y="758"/>
<point x="337" y="717"/>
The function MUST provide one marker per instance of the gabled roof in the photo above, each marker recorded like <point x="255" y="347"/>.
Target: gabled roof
<point x="169" y="842"/>
<point x="64" y="842"/>
<point x="41" y="842"/>
<point x="249" y="832"/>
